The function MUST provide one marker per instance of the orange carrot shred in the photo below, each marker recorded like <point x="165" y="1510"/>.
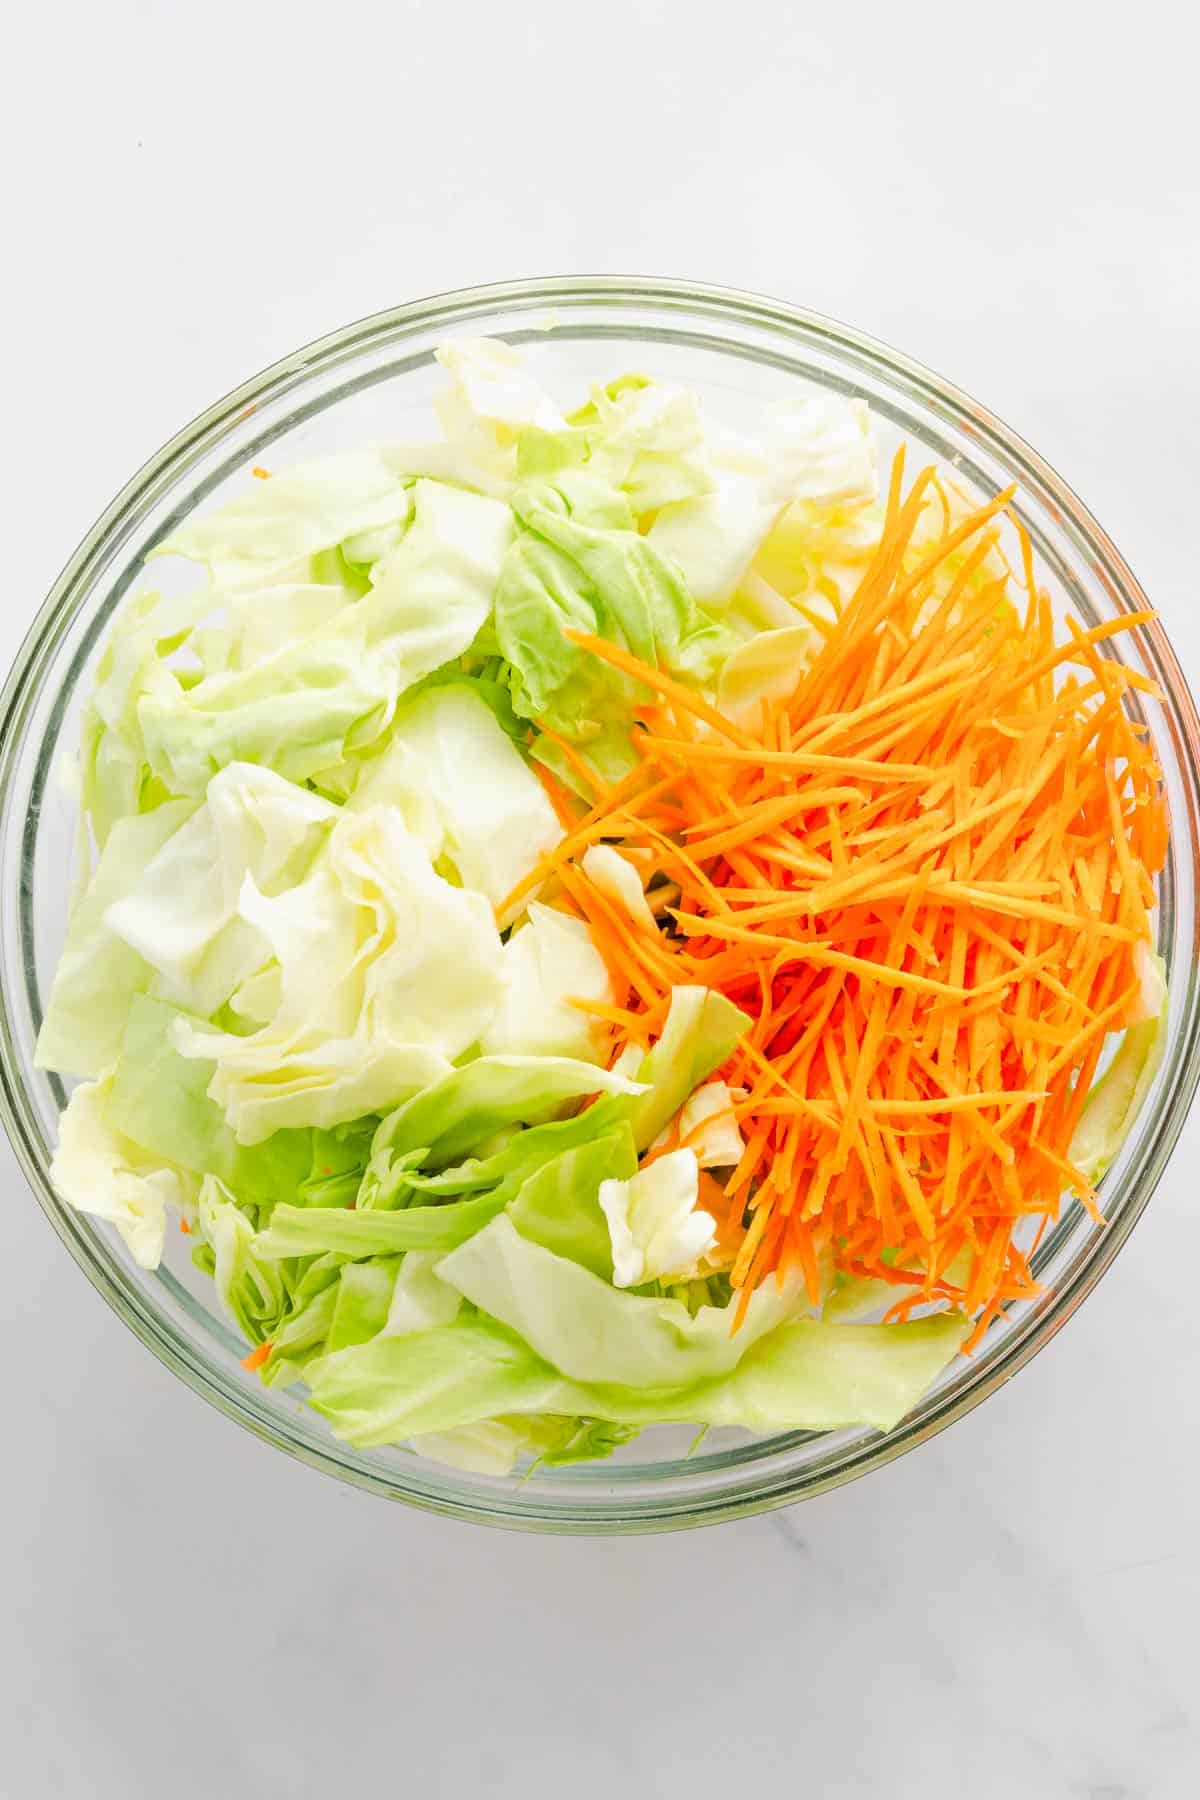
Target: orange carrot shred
<point x="924" y="875"/>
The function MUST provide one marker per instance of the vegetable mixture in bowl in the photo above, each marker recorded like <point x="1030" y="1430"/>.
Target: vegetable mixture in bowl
<point x="610" y="916"/>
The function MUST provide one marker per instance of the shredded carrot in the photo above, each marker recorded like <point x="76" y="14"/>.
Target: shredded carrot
<point x="558" y="797"/>
<point x="260" y="474"/>
<point x="256" y="1358"/>
<point x="575" y="762"/>
<point x="923" y="874"/>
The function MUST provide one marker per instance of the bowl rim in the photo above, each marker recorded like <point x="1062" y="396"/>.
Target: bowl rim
<point x="738" y="308"/>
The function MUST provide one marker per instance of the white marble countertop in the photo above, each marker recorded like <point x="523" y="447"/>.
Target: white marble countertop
<point x="1011" y="1611"/>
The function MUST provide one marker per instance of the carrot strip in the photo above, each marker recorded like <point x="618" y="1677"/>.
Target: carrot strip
<point x="922" y="875"/>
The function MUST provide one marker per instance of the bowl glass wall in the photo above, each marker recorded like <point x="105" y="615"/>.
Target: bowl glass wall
<point x="377" y="380"/>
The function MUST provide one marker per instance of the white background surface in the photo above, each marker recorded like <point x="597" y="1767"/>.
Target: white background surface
<point x="1011" y="195"/>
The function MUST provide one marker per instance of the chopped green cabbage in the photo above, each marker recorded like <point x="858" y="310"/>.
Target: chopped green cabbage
<point x="312" y="1018"/>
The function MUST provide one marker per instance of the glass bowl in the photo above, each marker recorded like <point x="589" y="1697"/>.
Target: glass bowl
<point x="377" y="379"/>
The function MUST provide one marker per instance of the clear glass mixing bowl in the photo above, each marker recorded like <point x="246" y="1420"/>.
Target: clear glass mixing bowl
<point x="377" y="379"/>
